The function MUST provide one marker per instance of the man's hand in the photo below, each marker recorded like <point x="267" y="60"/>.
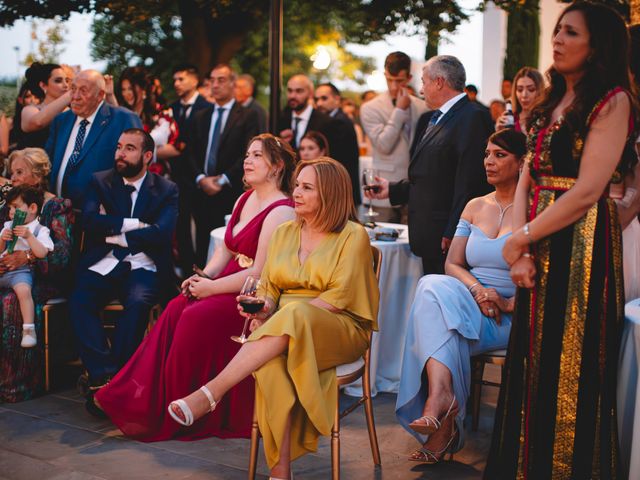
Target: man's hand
<point x="403" y="100"/>
<point x="445" y="243"/>
<point x="287" y="135"/>
<point x="210" y="185"/>
<point x="383" y="193"/>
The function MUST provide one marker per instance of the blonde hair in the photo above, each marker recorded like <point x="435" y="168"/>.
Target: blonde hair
<point x="336" y="196"/>
<point x="36" y="159"/>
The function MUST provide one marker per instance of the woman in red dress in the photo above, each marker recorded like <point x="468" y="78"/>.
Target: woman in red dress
<point x="191" y="341"/>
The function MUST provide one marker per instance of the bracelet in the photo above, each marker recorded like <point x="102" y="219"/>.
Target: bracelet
<point x="527" y="233"/>
<point x="528" y="255"/>
<point x="30" y="257"/>
<point x="470" y="287"/>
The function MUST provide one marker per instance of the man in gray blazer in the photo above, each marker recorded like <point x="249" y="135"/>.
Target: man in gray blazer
<point x="390" y="119"/>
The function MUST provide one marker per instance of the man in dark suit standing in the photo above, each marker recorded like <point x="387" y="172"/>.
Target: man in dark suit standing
<point x="299" y="117"/>
<point x="83" y="140"/>
<point x="129" y="218"/>
<point x="185" y="84"/>
<point x="446" y="169"/>
<point x="217" y="146"/>
<point x="345" y="141"/>
<point x="245" y="94"/>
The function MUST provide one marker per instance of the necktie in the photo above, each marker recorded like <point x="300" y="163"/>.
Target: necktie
<point x="432" y="122"/>
<point x="182" y="114"/>
<point x="296" y="122"/>
<point x="77" y="146"/>
<point x="212" y="159"/>
<point x="121" y="252"/>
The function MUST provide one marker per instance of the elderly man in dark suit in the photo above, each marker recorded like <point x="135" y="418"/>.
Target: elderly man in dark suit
<point x="129" y="218"/>
<point x="446" y="169"/>
<point x="83" y="140"/>
<point x="216" y="149"/>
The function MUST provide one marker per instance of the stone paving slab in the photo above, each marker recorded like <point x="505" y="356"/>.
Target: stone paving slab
<point x="53" y="438"/>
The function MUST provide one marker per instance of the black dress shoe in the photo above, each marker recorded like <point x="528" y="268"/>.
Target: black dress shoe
<point x="93" y="409"/>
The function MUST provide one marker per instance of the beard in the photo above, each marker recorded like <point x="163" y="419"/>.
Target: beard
<point x="129" y="170"/>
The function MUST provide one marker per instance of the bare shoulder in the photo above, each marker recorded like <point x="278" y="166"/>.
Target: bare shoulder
<point x="475" y="206"/>
<point x="280" y="214"/>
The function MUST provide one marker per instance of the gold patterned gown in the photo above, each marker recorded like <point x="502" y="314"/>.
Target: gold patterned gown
<point x="556" y="416"/>
<point x="303" y="380"/>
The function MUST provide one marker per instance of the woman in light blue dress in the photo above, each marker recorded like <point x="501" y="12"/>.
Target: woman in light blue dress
<point x="463" y="313"/>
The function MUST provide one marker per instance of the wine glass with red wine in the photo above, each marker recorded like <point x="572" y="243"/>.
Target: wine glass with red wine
<point x="370" y="183"/>
<point x="251" y="303"/>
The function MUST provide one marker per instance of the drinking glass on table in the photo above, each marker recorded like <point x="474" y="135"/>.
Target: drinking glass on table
<point x="370" y="184"/>
<point x="251" y="303"/>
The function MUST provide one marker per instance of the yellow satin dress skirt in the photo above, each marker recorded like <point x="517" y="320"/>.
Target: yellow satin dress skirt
<point x="302" y="381"/>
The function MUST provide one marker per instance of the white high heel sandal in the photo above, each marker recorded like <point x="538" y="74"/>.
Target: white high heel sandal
<point x="188" y="414"/>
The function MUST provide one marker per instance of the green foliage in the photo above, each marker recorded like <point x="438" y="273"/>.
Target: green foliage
<point x="7" y="100"/>
<point x="49" y="35"/>
<point x="523" y="25"/>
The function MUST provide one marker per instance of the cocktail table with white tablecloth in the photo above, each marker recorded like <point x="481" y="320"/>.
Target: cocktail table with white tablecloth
<point x="399" y="275"/>
<point x="628" y="394"/>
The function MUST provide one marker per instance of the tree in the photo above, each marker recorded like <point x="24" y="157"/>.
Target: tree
<point x="215" y="31"/>
<point x="49" y="35"/>
<point x="523" y="25"/>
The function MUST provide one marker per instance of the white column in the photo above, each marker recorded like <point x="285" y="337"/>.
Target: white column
<point x="549" y="13"/>
<point x="494" y="44"/>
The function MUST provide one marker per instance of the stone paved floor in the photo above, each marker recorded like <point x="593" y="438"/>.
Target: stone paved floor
<point x="53" y="438"/>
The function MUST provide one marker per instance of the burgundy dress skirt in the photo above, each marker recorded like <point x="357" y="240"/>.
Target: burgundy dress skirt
<point x="189" y="345"/>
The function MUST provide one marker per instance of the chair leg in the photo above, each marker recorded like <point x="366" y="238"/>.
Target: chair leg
<point x="46" y="351"/>
<point x="477" y="369"/>
<point x="335" y="442"/>
<point x="255" y="443"/>
<point x="368" y="411"/>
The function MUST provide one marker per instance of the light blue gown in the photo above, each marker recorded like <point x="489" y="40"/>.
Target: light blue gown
<point x="446" y="323"/>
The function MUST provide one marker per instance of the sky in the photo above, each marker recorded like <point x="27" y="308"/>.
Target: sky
<point x="465" y="44"/>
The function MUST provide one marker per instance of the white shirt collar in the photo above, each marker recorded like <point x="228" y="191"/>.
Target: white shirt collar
<point x="305" y="115"/>
<point x="137" y="184"/>
<point x="247" y="102"/>
<point x="91" y="117"/>
<point x="450" y="103"/>
<point x="228" y="105"/>
<point x="191" y="100"/>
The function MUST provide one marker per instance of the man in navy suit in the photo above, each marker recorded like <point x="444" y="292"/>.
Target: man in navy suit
<point x="185" y="84"/>
<point x="446" y="169"/>
<point x="129" y="218"/>
<point x="83" y="140"/>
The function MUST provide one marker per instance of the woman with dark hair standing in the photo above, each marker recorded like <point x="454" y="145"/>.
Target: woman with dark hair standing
<point x="556" y="415"/>
<point x="49" y="84"/>
<point x="136" y="91"/>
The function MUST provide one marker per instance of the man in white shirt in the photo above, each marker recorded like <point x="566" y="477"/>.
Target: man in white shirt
<point x="390" y="120"/>
<point x="129" y="219"/>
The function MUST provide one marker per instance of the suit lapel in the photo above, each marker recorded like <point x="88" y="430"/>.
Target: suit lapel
<point x="234" y="114"/>
<point x="120" y="195"/>
<point x="446" y="118"/>
<point x="144" y="195"/>
<point x="100" y="122"/>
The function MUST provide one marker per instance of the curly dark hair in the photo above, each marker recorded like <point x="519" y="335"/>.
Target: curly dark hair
<point x="36" y="73"/>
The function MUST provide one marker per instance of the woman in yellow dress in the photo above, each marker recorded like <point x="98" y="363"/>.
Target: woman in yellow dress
<point x="321" y="303"/>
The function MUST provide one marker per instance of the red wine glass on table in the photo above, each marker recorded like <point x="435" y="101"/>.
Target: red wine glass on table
<point x="370" y="184"/>
<point x="251" y="303"/>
